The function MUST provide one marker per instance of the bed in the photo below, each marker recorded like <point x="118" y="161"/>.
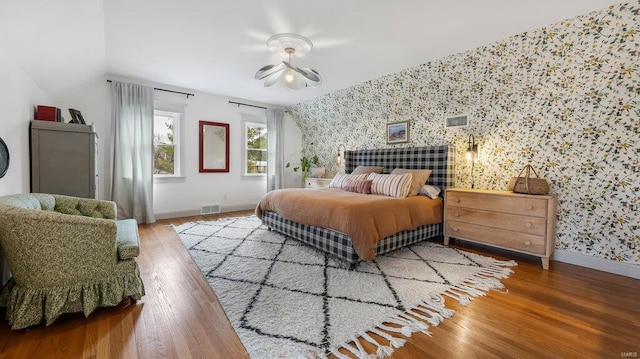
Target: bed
<point x="438" y="159"/>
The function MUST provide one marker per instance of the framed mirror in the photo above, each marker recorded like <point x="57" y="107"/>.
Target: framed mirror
<point x="214" y="147"/>
<point x="4" y="159"/>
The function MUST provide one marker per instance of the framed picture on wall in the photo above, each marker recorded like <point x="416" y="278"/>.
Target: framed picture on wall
<point x="398" y="132"/>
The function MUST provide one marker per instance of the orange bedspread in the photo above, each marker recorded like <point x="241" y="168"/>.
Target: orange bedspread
<point x="366" y="219"/>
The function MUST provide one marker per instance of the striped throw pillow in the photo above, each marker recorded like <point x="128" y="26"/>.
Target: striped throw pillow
<point x="391" y="185"/>
<point x="338" y="180"/>
<point x="357" y="186"/>
<point x="419" y="178"/>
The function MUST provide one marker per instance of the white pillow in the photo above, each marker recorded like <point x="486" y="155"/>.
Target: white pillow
<point x="429" y="191"/>
<point x="391" y="185"/>
<point x="339" y="181"/>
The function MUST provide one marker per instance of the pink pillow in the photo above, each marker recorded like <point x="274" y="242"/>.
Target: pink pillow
<point x="338" y="180"/>
<point x="357" y="186"/>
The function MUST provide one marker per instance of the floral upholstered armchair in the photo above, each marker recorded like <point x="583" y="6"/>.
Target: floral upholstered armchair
<point x="66" y="255"/>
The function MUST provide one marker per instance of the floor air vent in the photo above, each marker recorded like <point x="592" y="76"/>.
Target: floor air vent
<point x="210" y="208"/>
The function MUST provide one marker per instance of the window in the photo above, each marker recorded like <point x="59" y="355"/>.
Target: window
<point x="166" y="144"/>
<point x="255" y="149"/>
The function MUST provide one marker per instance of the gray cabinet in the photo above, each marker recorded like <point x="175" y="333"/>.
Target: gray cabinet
<point x="64" y="159"/>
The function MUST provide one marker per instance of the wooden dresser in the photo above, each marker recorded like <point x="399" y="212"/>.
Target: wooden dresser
<point x="519" y="222"/>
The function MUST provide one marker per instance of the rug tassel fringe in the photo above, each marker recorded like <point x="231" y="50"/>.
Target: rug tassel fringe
<point x="363" y="353"/>
<point x="437" y="305"/>
<point x="417" y="325"/>
<point x="431" y="311"/>
<point x="433" y="318"/>
<point x="339" y="355"/>
<point x="393" y="341"/>
<point x="479" y="285"/>
<point x="382" y="351"/>
<point x="358" y="351"/>
<point x="498" y="271"/>
<point x="462" y="299"/>
<point x="404" y="330"/>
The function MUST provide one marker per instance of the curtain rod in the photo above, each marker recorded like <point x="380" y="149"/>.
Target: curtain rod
<point x="246" y="104"/>
<point x="165" y="90"/>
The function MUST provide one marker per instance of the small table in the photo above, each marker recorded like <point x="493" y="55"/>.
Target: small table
<point x="519" y="222"/>
<point x="313" y="182"/>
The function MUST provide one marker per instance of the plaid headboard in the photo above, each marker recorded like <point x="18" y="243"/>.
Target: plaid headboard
<point x="439" y="159"/>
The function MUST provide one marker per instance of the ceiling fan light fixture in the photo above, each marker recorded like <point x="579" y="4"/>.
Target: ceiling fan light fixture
<point x="292" y="77"/>
<point x="288" y="75"/>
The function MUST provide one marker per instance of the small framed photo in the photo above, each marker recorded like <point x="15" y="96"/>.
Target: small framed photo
<point x="76" y="116"/>
<point x="398" y="132"/>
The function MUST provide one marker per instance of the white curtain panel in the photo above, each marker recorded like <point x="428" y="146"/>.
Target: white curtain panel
<point x="275" y="149"/>
<point x="132" y="151"/>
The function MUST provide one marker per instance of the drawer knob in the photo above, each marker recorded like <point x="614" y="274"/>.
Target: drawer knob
<point x="456" y="214"/>
<point x="529" y="207"/>
<point x="455" y="229"/>
<point x="528" y="224"/>
<point x="456" y="200"/>
<point x="527" y="243"/>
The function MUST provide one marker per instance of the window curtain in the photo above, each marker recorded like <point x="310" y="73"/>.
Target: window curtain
<point x="275" y="149"/>
<point x="132" y="151"/>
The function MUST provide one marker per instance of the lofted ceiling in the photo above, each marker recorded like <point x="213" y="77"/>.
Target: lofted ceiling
<point x="216" y="46"/>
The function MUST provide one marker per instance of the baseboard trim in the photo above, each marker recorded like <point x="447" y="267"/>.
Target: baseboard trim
<point x="238" y="207"/>
<point x="196" y="212"/>
<point x="625" y="269"/>
<point x="177" y="214"/>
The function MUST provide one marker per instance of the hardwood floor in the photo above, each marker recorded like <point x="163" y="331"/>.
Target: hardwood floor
<point x="565" y="312"/>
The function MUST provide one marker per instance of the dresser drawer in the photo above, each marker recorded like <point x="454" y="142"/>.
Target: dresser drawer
<point x="525" y="205"/>
<point x="513" y="222"/>
<point x="312" y="182"/>
<point x="496" y="236"/>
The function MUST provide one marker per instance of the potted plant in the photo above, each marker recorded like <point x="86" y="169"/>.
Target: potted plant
<point x="315" y="169"/>
<point x="308" y="165"/>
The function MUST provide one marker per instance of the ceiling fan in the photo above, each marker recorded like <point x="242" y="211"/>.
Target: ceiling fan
<point x="295" y="78"/>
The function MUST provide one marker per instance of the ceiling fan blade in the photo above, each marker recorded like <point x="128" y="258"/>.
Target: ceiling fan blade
<point x="308" y="73"/>
<point x="272" y="79"/>
<point x="262" y="73"/>
<point x="312" y="81"/>
<point x="268" y="70"/>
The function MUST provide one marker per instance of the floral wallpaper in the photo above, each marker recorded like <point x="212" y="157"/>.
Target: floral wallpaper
<point x="564" y="98"/>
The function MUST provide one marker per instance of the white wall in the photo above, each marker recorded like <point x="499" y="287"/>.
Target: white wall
<point x="182" y="197"/>
<point x="60" y="44"/>
<point x="18" y="97"/>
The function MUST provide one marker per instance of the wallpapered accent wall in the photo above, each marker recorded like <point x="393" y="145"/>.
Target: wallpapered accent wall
<point x="564" y="98"/>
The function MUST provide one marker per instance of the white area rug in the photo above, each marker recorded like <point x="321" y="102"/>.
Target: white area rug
<point x="288" y="300"/>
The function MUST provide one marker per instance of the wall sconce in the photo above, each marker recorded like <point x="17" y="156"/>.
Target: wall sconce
<point x="472" y="152"/>
<point x="340" y="154"/>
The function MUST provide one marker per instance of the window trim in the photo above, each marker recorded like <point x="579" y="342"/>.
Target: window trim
<point x="254" y="122"/>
